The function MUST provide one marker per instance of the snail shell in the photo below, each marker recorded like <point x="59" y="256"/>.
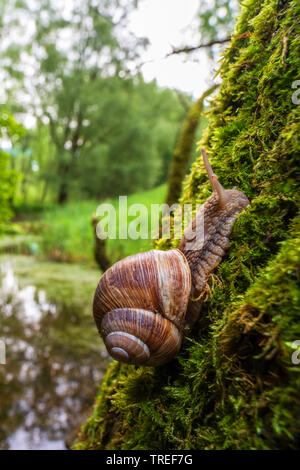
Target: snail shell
<point x="140" y="305"/>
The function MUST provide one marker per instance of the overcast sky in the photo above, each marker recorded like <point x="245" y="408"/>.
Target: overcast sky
<point x="169" y="23"/>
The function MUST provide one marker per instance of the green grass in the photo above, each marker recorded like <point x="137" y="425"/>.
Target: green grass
<point x="68" y="235"/>
<point x="117" y="248"/>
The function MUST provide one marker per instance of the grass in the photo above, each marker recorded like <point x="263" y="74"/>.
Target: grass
<point x="119" y="248"/>
<point x="65" y="233"/>
<point x="68" y="236"/>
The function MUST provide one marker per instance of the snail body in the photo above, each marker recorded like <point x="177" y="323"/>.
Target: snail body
<point x="207" y="237"/>
<point x="143" y="302"/>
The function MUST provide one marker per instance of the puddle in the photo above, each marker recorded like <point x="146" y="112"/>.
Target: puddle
<point x="54" y="361"/>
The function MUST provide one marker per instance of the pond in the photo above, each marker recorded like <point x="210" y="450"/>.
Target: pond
<point x="54" y="357"/>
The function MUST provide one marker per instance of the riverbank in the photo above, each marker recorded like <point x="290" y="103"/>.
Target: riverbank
<point x="65" y="234"/>
<point x="55" y="358"/>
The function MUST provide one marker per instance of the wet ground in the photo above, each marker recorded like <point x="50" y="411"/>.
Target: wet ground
<point x="54" y="356"/>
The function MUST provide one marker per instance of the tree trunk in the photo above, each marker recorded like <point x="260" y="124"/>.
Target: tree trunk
<point x="236" y="385"/>
<point x="62" y="193"/>
<point x="100" y="255"/>
<point x="184" y="148"/>
<point x="66" y="168"/>
<point x="44" y="192"/>
<point x="64" y="173"/>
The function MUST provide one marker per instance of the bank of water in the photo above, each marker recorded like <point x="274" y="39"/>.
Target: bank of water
<point x="54" y="356"/>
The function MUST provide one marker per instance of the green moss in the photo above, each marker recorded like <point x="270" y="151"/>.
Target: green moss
<point x="184" y="148"/>
<point x="233" y="385"/>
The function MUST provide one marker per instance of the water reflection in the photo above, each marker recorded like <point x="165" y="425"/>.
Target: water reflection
<point x="53" y="366"/>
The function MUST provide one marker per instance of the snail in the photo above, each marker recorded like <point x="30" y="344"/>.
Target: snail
<point x="144" y="302"/>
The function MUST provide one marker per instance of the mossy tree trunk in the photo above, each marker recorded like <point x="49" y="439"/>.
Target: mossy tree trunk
<point x="234" y="385"/>
<point x="100" y="254"/>
<point x="184" y="148"/>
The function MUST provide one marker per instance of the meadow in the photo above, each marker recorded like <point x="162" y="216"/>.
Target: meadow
<point x="64" y="233"/>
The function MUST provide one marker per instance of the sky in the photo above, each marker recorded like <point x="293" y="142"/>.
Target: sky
<point x="168" y="24"/>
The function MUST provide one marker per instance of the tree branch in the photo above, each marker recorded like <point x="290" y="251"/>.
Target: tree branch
<point x="200" y="46"/>
<point x="53" y="130"/>
<point x="183" y="102"/>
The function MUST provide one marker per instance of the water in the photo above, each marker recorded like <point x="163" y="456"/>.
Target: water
<point x="54" y="357"/>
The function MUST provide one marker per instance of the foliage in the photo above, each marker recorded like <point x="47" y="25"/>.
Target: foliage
<point x="12" y="131"/>
<point x="144" y="121"/>
<point x="216" y="18"/>
<point x="64" y="233"/>
<point x="99" y="132"/>
<point x="233" y="385"/>
<point x="214" y="26"/>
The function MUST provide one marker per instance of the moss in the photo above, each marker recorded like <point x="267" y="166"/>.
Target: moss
<point x="184" y="148"/>
<point x="233" y="385"/>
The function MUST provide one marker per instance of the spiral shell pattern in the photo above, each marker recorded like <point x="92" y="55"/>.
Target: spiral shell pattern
<point x="140" y="305"/>
<point x="140" y="337"/>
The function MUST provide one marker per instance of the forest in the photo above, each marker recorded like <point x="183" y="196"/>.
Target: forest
<point x="92" y="114"/>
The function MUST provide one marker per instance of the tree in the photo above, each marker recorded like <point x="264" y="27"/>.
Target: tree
<point x="43" y="153"/>
<point x="184" y="147"/>
<point x="215" y="26"/>
<point x="99" y="131"/>
<point x="235" y="385"/>
<point x="11" y="131"/>
<point x="144" y="121"/>
<point x="216" y="22"/>
<point x="61" y="66"/>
